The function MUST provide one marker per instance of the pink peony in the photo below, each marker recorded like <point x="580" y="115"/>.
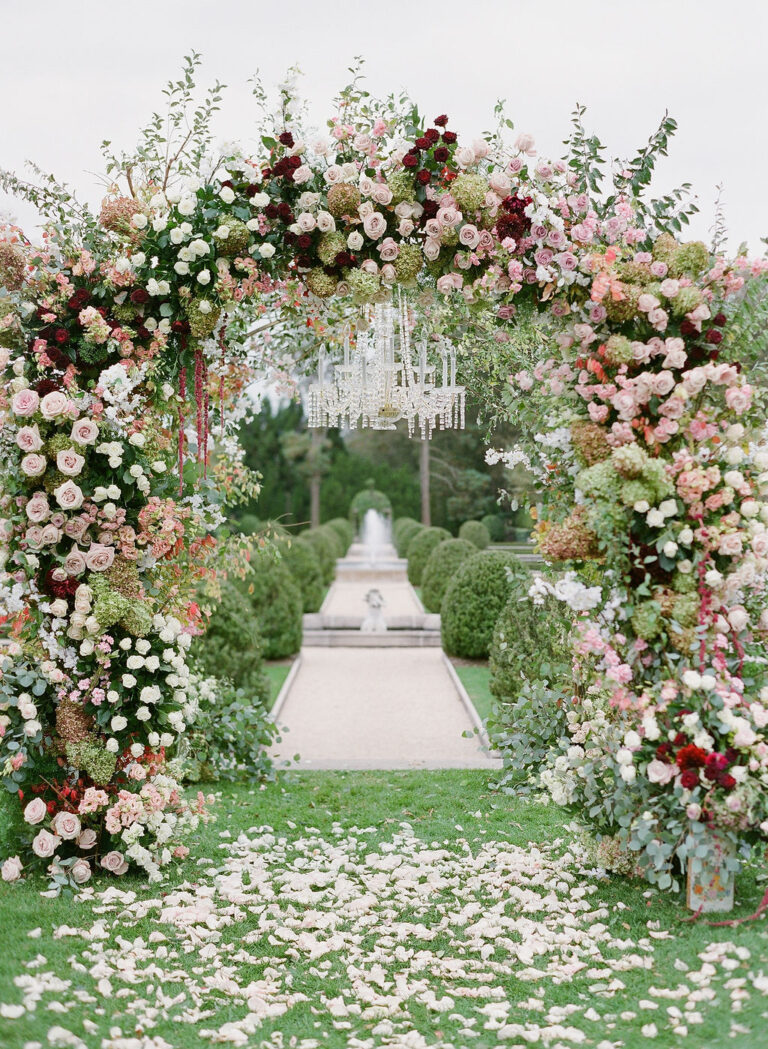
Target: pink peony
<point x="25" y="402"/>
<point x="12" y="869"/>
<point x="28" y="439"/>
<point x="35" y="811"/>
<point x="44" y="844"/>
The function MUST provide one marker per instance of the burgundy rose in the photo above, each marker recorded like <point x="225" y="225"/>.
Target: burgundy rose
<point x="228" y="182"/>
<point x="431" y="208"/>
<point x="139" y="296"/>
<point x="142" y="332"/>
<point x="252" y="189"/>
<point x="423" y="177"/>
<point x="449" y="137"/>
<point x="432" y="135"/>
<point x="410" y="161"/>
<point x="441" y="121"/>
<point x="289" y="237"/>
<point x="719" y="319"/>
<point x="61" y="335"/>
<point x="271" y="211"/>
<point x="344" y="258"/>
<point x="304" y="241"/>
<point x="727" y="781"/>
<point x="284" y="211"/>
<point x="714" y="336"/>
<point x="286" y="139"/>
<point x="293" y="163"/>
<point x="422" y="142"/>
<point x="690" y="779"/>
<point x="688" y="328"/>
<point x="180" y="327"/>
<point x="79" y="299"/>
<point x="441" y="154"/>
<point x="46" y="386"/>
<point x="304" y="262"/>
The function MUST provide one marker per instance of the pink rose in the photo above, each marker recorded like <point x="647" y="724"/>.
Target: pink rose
<point x="114" y="862"/>
<point x="11" y="869"/>
<point x="37" y="509"/>
<point x="739" y="398"/>
<point x="375" y="225"/>
<point x="302" y="174"/>
<point x="389" y="250"/>
<point x="525" y="143"/>
<point x="464" y="156"/>
<point x="388" y="273"/>
<point x="730" y="544"/>
<point x="28" y="439"/>
<point x="80" y="871"/>
<point x="74" y="562"/>
<point x="431" y="249"/>
<point x="760" y="544"/>
<point x="658" y="318"/>
<point x="370" y="266"/>
<point x="35" y="811"/>
<point x="53" y="404"/>
<point x="84" y="431"/>
<point x="486" y="242"/>
<point x="675" y="356"/>
<point x="445" y="284"/>
<point x="381" y="193"/>
<point x="663" y="383"/>
<point x="306" y="222"/>
<point x="45" y="844"/>
<point x="69" y="462"/>
<point x="50" y="535"/>
<point x="86" y="839"/>
<point x="695" y="380"/>
<point x="75" y="528"/>
<point x="25" y="402"/>
<point x="468" y="236"/>
<point x="669" y="288"/>
<point x="34" y="464"/>
<point x="448" y="216"/>
<point x="69" y="496"/>
<point x="33" y="537"/>
<point x="625" y="404"/>
<point x="99" y="558"/>
<point x="500" y="183"/>
<point x="659" y="771"/>
<point x="66" y="825"/>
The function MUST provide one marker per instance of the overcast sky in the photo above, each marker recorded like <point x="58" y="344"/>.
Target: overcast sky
<point x="74" y="73"/>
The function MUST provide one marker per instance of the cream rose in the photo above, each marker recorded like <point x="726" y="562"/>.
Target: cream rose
<point x="69" y="496"/>
<point x="69" y="462"/>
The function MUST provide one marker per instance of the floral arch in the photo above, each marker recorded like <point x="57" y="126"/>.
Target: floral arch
<point x="626" y="354"/>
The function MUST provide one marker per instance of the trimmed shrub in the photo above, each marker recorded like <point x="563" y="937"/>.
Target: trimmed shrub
<point x="440" y="569"/>
<point x="325" y="546"/>
<point x="368" y="499"/>
<point x="419" y="549"/>
<point x="476" y="533"/>
<point x="301" y="560"/>
<point x="343" y="530"/>
<point x="405" y="533"/>
<point x="277" y="602"/>
<point x="495" y="525"/>
<point x="336" y="541"/>
<point x="232" y="645"/>
<point x="474" y="601"/>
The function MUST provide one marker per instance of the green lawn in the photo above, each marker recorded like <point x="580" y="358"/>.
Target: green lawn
<point x="475" y="677"/>
<point x="276" y="673"/>
<point x="349" y="828"/>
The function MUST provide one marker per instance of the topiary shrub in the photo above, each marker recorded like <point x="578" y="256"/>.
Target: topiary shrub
<point x="325" y="546"/>
<point x="495" y="525"/>
<point x="476" y="533"/>
<point x="474" y="601"/>
<point x="301" y="560"/>
<point x="232" y="645"/>
<point x="277" y="602"/>
<point x="440" y="569"/>
<point x="336" y="541"/>
<point x="368" y="499"/>
<point x="419" y="549"/>
<point x="405" y="533"/>
<point x="343" y="530"/>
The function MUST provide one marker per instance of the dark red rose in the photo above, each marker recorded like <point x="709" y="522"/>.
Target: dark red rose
<point x="304" y="241"/>
<point x="688" y="328"/>
<point x="304" y="261"/>
<point x="252" y="189"/>
<point x="293" y="163"/>
<point x="714" y="336"/>
<point x="727" y="781"/>
<point x="432" y="135"/>
<point x="691" y="757"/>
<point x="284" y="211"/>
<point x="60" y="587"/>
<point x="690" y="779"/>
<point x="431" y="208"/>
<point x="422" y="143"/>
<point x="103" y="311"/>
<point x="449" y="137"/>
<point x="266" y="172"/>
<point x="180" y="327"/>
<point x="61" y="336"/>
<point x="271" y="211"/>
<point x="46" y="386"/>
<point x="139" y="296"/>
<point x="441" y="154"/>
<point x="423" y="177"/>
<point x="289" y="237"/>
<point x="142" y="332"/>
<point x="663" y="749"/>
<point x="228" y="182"/>
<point x="441" y="121"/>
<point x="280" y="168"/>
<point x="410" y="161"/>
<point x="57" y="358"/>
<point x="719" y="319"/>
<point x="79" y="299"/>
<point x="344" y="258"/>
<point x="731" y="755"/>
<point x="286" y="139"/>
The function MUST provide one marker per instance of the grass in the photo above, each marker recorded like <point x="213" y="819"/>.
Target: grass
<point x="276" y="673"/>
<point x="440" y="806"/>
<point x="475" y="677"/>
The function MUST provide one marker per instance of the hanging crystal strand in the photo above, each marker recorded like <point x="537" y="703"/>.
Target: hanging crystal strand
<point x="182" y="419"/>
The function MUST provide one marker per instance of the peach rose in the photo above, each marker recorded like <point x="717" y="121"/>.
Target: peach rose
<point x="28" y="439"/>
<point x="45" y="844"/>
<point x="25" y="402"/>
<point x="35" y="811"/>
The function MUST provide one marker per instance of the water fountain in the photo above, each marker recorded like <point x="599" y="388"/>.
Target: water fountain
<point x="375" y="536"/>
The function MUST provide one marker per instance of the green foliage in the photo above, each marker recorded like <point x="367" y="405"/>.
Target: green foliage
<point x="301" y="559"/>
<point x="339" y="549"/>
<point x="230" y="736"/>
<point x="325" y="546"/>
<point x="232" y="645"/>
<point x="476" y="533"/>
<point x="419" y="549"/>
<point x="344" y="530"/>
<point x="277" y="602"/>
<point x="526" y="730"/>
<point x="368" y="499"/>
<point x="474" y="600"/>
<point x="495" y="525"/>
<point x="440" y="569"/>
<point x="404" y="531"/>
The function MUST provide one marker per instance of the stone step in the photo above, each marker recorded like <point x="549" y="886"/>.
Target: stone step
<point x="357" y="639"/>
<point x="324" y="621"/>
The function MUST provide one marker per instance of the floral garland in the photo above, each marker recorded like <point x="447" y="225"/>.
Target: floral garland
<point x="106" y="485"/>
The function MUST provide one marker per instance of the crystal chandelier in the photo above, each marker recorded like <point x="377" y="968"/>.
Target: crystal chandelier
<point x="379" y="383"/>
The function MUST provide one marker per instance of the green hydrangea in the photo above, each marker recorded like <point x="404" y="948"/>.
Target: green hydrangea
<point x="690" y="259"/>
<point x="636" y="491"/>
<point x="124" y="313"/>
<point x="635" y="273"/>
<point x="137" y="620"/>
<point x="664" y="248"/>
<point x="600" y="481"/>
<point x="469" y="192"/>
<point x="201" y="324"/>
<point x="365" y="286"/>
<point x="687" y="299"/>
<point x="343" y="199"/>
<point x="60" y="442"/>
<point x="92" y="757"/>
<point x="51" y="479"/>
<point x="109" y="606"/>
<point x="237" y="239"/>
<point x="646" y="620"/>
<point x="401" y="184"/>
<point x="656" y="476"/>
<point x="622" y="310"/>
<point x="619" y="350"/>
<point x="630" y="460"/>
<point x="320" y="283"/>
<point x="686" y="609"/>
<point x="329" y="247"/>
<point x="449" y="236"/>
<point x="93" y="353"/>
<point x="684" y="582"/>
<point x="408" y="263"/>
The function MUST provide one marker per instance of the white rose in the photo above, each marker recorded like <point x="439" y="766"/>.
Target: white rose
<point x="204" y="277"/>
<point x="187" y="205"/>
<point x="355" y="241"/>
<point x="227" y="194"/>
<point x="266" y="250"/>
<point x="112" y="745"/>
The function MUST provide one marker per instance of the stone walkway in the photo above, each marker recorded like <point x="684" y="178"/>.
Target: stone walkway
<point x="377" y="708"/>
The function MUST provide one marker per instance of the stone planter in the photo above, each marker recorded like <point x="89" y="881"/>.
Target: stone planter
<point x="710" y="881"/>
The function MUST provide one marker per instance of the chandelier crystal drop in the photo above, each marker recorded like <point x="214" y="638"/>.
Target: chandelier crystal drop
<point x="379" y="382"/>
